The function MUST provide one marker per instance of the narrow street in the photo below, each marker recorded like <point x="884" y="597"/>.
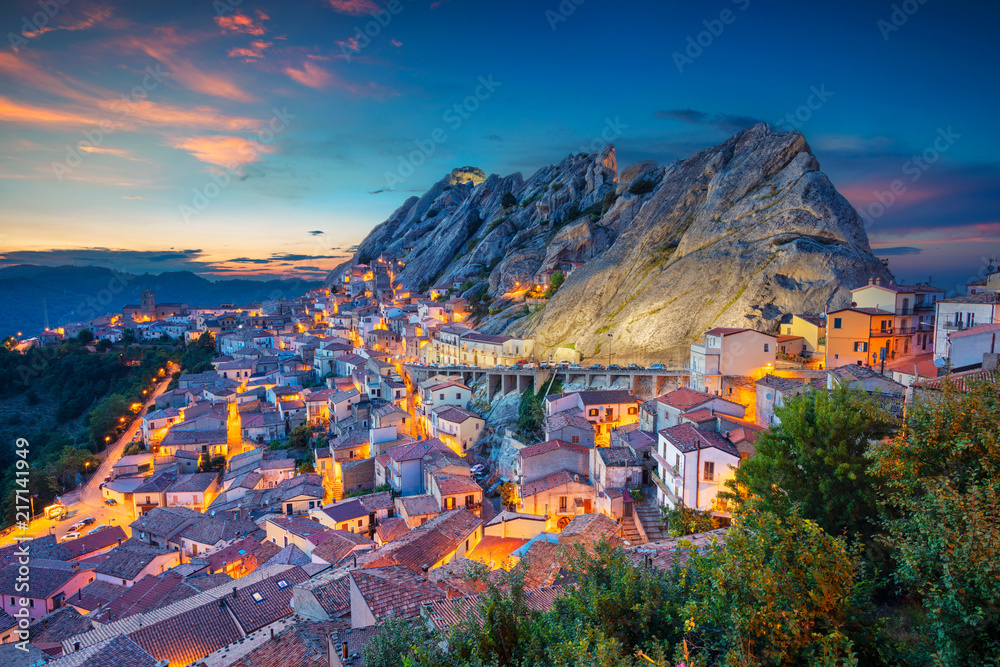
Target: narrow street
<point x="87" y="501"/>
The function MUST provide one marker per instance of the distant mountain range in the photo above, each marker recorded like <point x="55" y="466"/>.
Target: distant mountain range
<point x="71" y="293"/>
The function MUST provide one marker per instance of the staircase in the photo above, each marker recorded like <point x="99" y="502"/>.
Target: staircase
<point x="630" y="532"/>
<point x="649" y="514"/>
<point x="337" y="487"/>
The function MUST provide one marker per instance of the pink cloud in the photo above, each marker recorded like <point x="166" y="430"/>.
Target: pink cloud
<point x="354" y="7"/>
<point x="164" y="46"/>
<point x="90" y="15"/>
<point x="241" y="23"/>
<point x="350" y="43"/>
<point x="253" y="52"/>
<point x="311" y="75"/>
<point x="396" y="43"/>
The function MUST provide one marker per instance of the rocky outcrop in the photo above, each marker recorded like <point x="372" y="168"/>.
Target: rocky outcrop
<point x="736" y="235"/>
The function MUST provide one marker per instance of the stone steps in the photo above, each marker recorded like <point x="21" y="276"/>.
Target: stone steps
<point x="630" y="532"/>
<point x="649" y="515"/>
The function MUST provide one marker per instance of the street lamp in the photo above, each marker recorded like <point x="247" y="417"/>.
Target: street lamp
<point x="610" y="354"/>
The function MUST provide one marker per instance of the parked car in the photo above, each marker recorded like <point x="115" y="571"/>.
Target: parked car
<point x="614" y="367"/>
<point x="110" y="501"/>
<point x="75" y="527"/>
<point x="98" y="529"/>
<point x="576" y="367"/>
<point x="88" y="521"/>
<point x="596" y="367"/>
<point x="635" y="367"/>
<point x="656" y="367"/>
<point x="69" y="536"/>
<point x="137" y="436"/>
<point x="478" y="468"/>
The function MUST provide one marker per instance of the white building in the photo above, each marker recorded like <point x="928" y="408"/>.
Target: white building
<point x="693" y="466"/>
<point x="742" y="352"/>
<point x="960" y="313"/>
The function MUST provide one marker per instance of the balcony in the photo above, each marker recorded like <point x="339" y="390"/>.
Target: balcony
<point x="904" y="311"/>
<point x="954" y="326"/>
<point x="893" y="331"/>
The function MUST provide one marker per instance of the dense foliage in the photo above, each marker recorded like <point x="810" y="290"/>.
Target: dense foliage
<point x="815" y="460"/>
<point x="942" y="518"/>
<point x="796" y="580"/>
<point x="76" y="402"/>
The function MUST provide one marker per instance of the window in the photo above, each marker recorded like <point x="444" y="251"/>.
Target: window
<point x="860" y="346"/>
<point x="442" y="397"/>
<point x="767" y="347"/>
<point x="593" y="412"/>
<point x="469" y="501"/>
<point x="359" y="523"/>
<point x="633" y="411"/>
<point x="282" y="583"/>
<point x="709" y="471"/>
<point x="576" y="440"/>
<point x="458" y="396"/>
<point x="836" y="323"/>
<point x="562" y="503"/>
<point x="257" y="597"/>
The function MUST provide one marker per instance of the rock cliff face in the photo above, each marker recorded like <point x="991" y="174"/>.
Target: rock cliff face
<point x="736" y="235"/>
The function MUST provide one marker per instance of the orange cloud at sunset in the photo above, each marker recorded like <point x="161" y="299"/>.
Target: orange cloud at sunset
<point x="224" y="151"/>
<point x="30" y="114"/>
<point x="241" y="23"/>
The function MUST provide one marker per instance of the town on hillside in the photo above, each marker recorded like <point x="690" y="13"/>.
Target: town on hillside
<point x="352" y="450"/>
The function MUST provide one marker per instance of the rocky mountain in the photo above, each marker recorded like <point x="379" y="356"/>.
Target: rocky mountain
<point x="736" y="235"/>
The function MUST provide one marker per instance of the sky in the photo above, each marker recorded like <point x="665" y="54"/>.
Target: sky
<point x="242" y="137"/>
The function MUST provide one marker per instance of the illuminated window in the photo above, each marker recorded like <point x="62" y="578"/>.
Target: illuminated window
<point x="257" y="597"/>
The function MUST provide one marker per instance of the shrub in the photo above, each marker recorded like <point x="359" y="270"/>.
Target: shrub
<point x="642" y="187"/>
<point x="508" y="200"/>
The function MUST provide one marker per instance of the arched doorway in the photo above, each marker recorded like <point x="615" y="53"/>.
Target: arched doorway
<point x="563" y="522"/>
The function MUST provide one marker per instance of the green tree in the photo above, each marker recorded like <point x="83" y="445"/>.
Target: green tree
<point x="683" y="520"/>
<point x="299" y="438"/>
<point x="508" y="199"/>
<point x="780" y="592"/>
<point x="105" y="418"/>
<point x="393" y="643"/>
<point x="128" y="337"/>
<point x="213" y="464"/>
<point x="85" y="336"/>
<point x="71" y="461"/>
<point x="557" y="280"/>
<point x="816" y="459"/>
<point x="943" y="518"/>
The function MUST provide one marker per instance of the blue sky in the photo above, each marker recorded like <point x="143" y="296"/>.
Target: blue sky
<point x="256" y="137"/>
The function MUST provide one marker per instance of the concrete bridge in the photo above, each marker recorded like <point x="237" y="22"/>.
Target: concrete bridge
<point x="644" y="382"/>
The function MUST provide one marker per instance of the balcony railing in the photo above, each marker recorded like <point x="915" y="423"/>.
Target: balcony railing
<point x="954" y="326"/>
<point x="904" y="311"/>
<point x="894" y="331"/>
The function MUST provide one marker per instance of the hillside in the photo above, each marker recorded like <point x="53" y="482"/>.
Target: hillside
<point x="736" y="235"/>
<point x="82" y="292"/>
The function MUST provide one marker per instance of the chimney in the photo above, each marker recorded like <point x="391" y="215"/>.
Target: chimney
<point x="235" y="593"/>
<point x="878" y="281"/>
<point x="424" y="569"/>
<point x="272" y="634"/>
<point x="871" y="281"/>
